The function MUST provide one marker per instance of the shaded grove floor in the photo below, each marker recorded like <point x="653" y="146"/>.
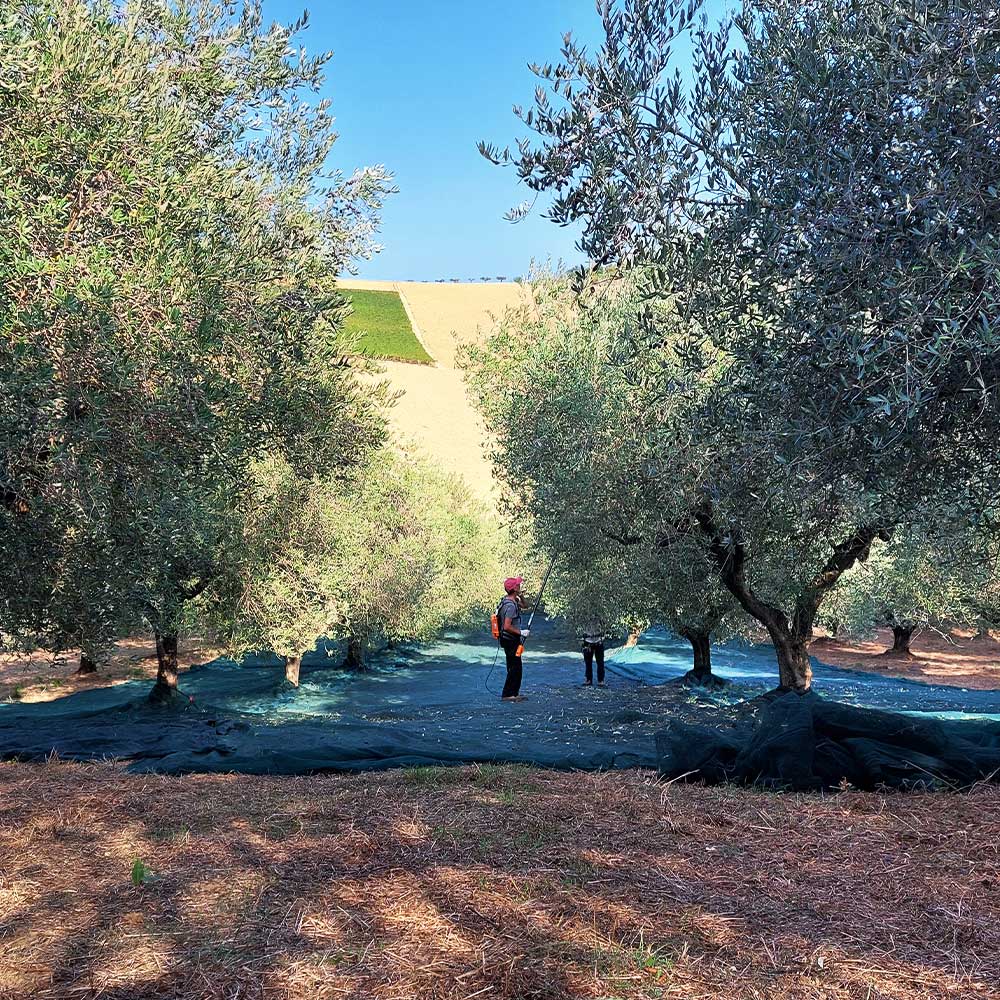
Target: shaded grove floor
<point x="960" y="658"/>
<point x="434" y="704"/>
<point x="488" y="882"/>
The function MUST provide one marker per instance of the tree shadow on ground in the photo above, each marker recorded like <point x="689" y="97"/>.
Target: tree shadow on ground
<point x="488" y="881"/>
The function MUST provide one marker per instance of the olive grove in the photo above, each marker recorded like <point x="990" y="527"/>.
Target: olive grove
<point x="170" y="236"/>
<point x="395" y="552"/>
<point x="811" y="212"/>
<point x="581" y="474"/>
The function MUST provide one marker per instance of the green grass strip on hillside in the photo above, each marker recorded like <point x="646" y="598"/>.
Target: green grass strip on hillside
<point x="383" y="326"/>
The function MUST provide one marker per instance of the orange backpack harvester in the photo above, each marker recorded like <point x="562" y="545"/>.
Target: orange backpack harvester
<point x="496" y="622"/>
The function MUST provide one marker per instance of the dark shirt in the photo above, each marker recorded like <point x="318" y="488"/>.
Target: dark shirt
<point x="509" y="608"/>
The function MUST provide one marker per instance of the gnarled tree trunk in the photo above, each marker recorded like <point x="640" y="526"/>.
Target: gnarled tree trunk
<point x="87" y="665"/>
<point x="901" y="636"/>
<point x="165" y="688"/>
<point x="790" y="638"/>
<point x="355" y="654"/>
<point x="292" y="665"/>
<point x="792" y="653"/>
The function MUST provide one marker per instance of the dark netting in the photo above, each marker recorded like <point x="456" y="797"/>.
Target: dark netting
<point x="439" y="704"/>
<point x="805" y="742"/>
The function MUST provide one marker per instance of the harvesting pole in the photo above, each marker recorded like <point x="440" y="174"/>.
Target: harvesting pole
<point x="538" y="599"/>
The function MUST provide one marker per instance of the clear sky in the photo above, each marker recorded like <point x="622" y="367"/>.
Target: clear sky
<point x="415" y="84"/>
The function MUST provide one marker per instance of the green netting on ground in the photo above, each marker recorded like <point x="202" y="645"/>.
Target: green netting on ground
<point x="439" y="704"/>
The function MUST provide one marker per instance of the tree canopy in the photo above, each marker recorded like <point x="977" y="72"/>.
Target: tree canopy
<point x="815" y="203"/>
<point x="818" y="195"/>
<point x="919" y="580"/>
<point x="397" y="551"/>
<point x="169" y="232"/>
<point x="583" y="476"/>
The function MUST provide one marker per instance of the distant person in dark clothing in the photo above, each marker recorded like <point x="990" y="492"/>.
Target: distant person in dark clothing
<point x="512" y="635"/>
<point x="593" y="649"/>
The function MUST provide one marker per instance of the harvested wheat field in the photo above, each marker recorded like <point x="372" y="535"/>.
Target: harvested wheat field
<point x="488" y="882"/>
<point x="433" y="411"/>
<point x="446" y="314"/>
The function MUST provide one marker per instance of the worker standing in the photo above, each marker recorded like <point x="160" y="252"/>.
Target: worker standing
<point x="512" y="635"/>
<point x="593" y="649"/>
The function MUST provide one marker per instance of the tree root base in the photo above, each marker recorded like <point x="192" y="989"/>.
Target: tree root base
<point x="165" y="696"/>
<point x="705" y="682"/>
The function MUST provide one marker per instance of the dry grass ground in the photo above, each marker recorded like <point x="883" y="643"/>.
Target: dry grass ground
<point x="492" y="883"/>
<point x="484" y="882"/>
<point x="434" y="414"/>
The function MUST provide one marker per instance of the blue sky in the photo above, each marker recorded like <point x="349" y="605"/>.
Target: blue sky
<point x="415" y="84"/>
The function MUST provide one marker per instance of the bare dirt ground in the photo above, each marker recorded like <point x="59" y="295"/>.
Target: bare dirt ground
<point x="489" y="882"/>
<point x="43" y="676"/>
<point x="960" y="658"/>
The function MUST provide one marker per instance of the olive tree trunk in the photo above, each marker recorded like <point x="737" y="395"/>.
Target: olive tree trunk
<point x="165" y="688"/>
<point x="901" y="636"/>
<point x="701" y="644"/>
<point x="700" y="674"/>
<point x="292" y="665"/>
<point x="790" y="637"/>
<point x="355" y="659"/>
<point x="701" y="647"/>
<point x="87" y="665"/>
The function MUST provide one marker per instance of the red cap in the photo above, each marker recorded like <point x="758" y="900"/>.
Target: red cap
<point x="512" y="583"/>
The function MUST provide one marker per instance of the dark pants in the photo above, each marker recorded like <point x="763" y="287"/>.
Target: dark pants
<point x="594" y="651"/>
<point x="512" y="685"/>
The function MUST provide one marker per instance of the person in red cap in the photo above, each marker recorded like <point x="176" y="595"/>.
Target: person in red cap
<point x="512" y="635"/>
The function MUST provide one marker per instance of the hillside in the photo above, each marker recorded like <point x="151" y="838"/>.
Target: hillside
<point x="434" y="411"/>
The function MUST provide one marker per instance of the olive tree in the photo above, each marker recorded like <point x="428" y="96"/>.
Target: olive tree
<point x="621" y="459"/>
<point x="915" y="582"/>
<point x="582" y="473"/>
<point x="394" y="551"/>
<point x="816" y="198"/>
<point x="168" y="235"/>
